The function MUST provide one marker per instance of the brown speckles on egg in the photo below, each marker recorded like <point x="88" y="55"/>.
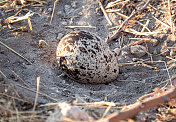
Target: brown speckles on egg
<point x="86" y="58"/>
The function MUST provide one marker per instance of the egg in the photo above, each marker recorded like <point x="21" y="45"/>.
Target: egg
<point x="86" y="58"/>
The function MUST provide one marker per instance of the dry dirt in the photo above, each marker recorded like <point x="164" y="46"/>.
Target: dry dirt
<point x="134" y="80"/>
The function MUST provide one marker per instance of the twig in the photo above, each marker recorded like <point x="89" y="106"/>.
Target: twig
<point x="15" y="52"/>
<point x="53" y="10"/>
<point x="161" y="22"/>
<point x="16" y="98"/>
<point x="171" y="21"/>
<point x="130" y="30"/>
<point x="43" y="94"/>
<point x="41" y="2"/>
<point x="14" y="18"/>
<point x="159" y="98"/>
<point x="130" y="17"/>
<point x="124" y="16"/>
<point x="36" y="97"/>
<point x="146" y="24"/>
<point x="115" y="3"/>
<point x="27" y="84"/>
<point x="104" y="12"/>
<point x="77" y="26"/>
<point x="3" y="74"/>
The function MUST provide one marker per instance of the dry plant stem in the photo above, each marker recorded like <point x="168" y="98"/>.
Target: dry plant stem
<point x="158" y="99"/>
<point x="80" y="26"/>
<point x="36" y="97"/>
<point x="161" y="22"/>
<point x="3" y="74"/>
<point x="115" y="3"/>
<point x="130" y="30"/>
<point x="15" y="52"/>
<point x="16" y="98"/>
<point x="171" y="20"/>
<point x="29" y="22"/>
<point x="3" y="1"/>
<point x="41" y="2"/>
<point x="27" y="84"/>
<point x="104" y="12"/>
<point x="13" y="18"/>
<point x="130" y="17"/>
<point x="38" y="92"/>
<point x="53" y="10"/>
<point x="124" y="16"/>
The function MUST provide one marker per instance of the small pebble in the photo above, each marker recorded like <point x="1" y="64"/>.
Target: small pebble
<point x="138" y="50"/>
<point x="50" y="10"/>
<point x="59" y="36"/>
<point x="64" y="23"/>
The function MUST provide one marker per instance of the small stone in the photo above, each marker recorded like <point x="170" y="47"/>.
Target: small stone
<point x="64" y="23"/>
<point x="50" y="10"/>
<point x="138" y="50"/>
<point x="59" y="13"/>
<point x="59" y="36"/>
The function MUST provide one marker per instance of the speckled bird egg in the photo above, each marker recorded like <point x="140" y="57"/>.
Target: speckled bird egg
<point x="86" y="58"/>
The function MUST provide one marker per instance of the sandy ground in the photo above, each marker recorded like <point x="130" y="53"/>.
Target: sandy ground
<point x="133" y="81"/>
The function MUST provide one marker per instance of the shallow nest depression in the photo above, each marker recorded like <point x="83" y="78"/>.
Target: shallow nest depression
<point x="31" y="83"/>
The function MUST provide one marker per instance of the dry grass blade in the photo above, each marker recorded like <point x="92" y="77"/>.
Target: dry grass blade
<point x="80" y="26"/>
<point x="130" y="17"/>
<point x="157" y="99"/>
<point x="94" y="104"/>
<point x="25" y="83"/>
<point x="124" y="16"/>
<point x="41" y="2"/>
<point x="115" y="3"/>
<point x="53" y="10"/>
<point x="29" y="22"/>
<point x="97" y="104"/>
<point x="130" y="30"/>
<point x="36" y="97"/>
<point x="3" y="74"/>
<point x="15" y="52"/>
<point x="40" y="43"/>
<point x="161" y="22"/>
<point x="107" y="110"/>
<point x="16" y="98"/>
<point x="104" y="12"/>
<point x="3" y="1"/>
<point x="38" y="92"/>
<point x="146" y="24"/>
<point x="171" y="21"/>
<point x="13" y="19"/>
